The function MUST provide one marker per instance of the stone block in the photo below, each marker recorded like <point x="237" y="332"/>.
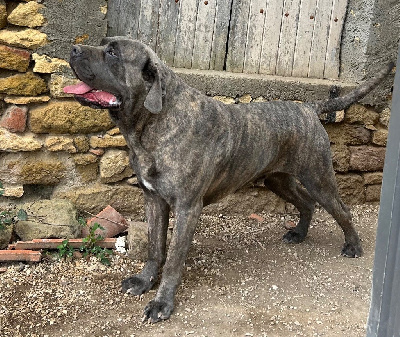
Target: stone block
<point x="246" y="98"/>
<point x="25" y="38"/>
<point x="107" y="141"/>
<point x="32" y="168"/>
<point x="58" y="82"/>
<point x="47" y="65"/>
<point x="5" y="236"/>
<point x="340" y="157"/>
<point x="225" y="99"/>
<point x="384" y="117"/>
<point x="367" y="158"/>
<point x="22" y="100"/>
<point x="373" y="193"/>
<point x="11" y="142"/>
<point x="85" y="159"/>
<point x="114" y="166"/>
<point x="348" y="134"/>
<point x="68" y="117"/>
<point x="246" y="201"/>
<point x="82" y="143"/>
<point x="379" y="137"/>
<point x="88" y="173"/>
<point x="13" y="191"/>
<point x="351" y="188"/>
<point x="49" y="219"/>
<point x="3" y="14"/>
<point x="359" y="114"/>
<point x="27" y="14"/>
<point x="14" y="118"/>
<point x="27" y="84"/>
<point x="60" y="143"/>
<point x="372" y="178"/>
<point x="137" y="240"/>
<point x="14" y="58"/>
<point x="93" y="198"/>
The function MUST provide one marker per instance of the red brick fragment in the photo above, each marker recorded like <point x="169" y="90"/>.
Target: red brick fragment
<point x="97" y="152"/>
<point x="14" y="119"/>
<point x="256" y="217"/>
<point x="20" y="255"/>
<point x="112" y="222"/>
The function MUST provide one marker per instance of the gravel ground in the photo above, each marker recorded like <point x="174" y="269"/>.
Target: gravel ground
<point x="241" y="280"/>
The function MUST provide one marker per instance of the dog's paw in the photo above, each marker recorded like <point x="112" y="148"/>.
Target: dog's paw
<point x="293" y="237"/>
<point x="156" y="311"/>
<point x="136" y="285"/>
<point x="352" y="250"/>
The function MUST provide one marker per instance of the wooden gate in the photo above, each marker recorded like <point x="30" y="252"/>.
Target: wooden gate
<point x="279" y="37"/>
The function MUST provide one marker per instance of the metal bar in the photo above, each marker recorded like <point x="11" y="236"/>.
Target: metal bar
<point x="384" y="312"/>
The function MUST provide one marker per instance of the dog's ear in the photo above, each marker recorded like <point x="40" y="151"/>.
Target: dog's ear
<point x="153" y="78"/>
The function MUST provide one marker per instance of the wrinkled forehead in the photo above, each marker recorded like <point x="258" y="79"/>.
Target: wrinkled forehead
<point x="124" y="45"/>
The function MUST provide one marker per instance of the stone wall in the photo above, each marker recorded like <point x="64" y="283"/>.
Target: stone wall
<point x="51" y="147"/>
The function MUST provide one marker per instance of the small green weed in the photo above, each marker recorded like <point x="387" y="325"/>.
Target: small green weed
<point x="10" y="217"/>
<point x="65" y="250"/>
<point x="89" y="247"/>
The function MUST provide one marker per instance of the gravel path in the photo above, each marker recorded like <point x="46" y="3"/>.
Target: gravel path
<point x="241" y="280"/>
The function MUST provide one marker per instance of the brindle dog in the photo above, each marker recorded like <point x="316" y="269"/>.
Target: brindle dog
<point x="189" y="150"/>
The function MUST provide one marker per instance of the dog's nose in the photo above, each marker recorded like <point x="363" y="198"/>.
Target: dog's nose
<point x="76" y="51"/>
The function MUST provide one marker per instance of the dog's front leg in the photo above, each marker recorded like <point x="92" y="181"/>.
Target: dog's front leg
<point x="157" y="213"/>
<point x="161" y="307"/>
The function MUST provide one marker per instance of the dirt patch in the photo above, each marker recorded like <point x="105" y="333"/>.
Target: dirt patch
<point x="241" y="280"/>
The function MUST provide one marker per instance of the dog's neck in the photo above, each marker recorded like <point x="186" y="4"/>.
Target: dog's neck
<point x="133" y="118"/>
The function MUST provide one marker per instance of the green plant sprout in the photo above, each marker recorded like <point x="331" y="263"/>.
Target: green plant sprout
<point x="89" y="246"/>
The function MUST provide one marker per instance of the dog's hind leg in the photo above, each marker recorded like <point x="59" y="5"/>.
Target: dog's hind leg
<point x="157" y="213"/>
<point x="286" y="186"/>
<point x="324" y="191"/>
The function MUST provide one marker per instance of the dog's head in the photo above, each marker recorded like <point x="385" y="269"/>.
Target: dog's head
<point x="118" y="73"/>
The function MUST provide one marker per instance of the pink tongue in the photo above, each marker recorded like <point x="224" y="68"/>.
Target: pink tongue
<point x="102" y="97"/>
<point x="78" y="89"/>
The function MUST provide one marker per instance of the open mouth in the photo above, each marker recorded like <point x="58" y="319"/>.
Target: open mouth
<point x="93" y="97"/>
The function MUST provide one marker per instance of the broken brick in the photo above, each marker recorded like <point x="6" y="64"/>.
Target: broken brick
<point x="256" y="217"/>
<point x="112" y="222"/>
<point x="14" y="119"/>
<point x="20" y="255"/>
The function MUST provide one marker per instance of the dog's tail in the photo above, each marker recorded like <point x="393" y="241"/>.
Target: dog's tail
<point x="339" y="103"/>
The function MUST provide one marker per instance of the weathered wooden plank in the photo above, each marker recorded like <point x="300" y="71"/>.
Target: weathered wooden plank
<point x="255" y="36"/>
<point x="237" y="35"/>
<point x="270" y="45"/>
<point x="332" y="61"/>
<point x="168" y="21"/>
<point x="185" y="34"/>
<point x="204" y="34"/>
<point x="320" y="39"/>
<point x="287" y="40"/>
<point x="220" y="37"/>
<point x="304" y="38"/>
<point x="148" y="22"/>
<point x="126" y="23"/>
